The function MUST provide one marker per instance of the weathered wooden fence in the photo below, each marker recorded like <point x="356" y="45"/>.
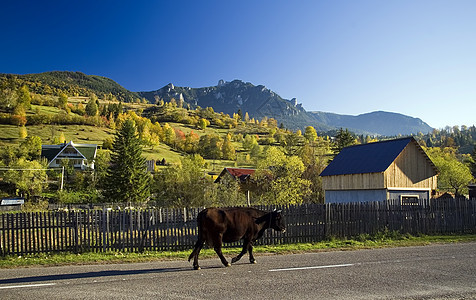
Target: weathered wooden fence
<point x="174" y="229"/>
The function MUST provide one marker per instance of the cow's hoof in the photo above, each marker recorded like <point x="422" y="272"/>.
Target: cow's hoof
<point x="253" y="261"/>
<point x="228" y="265"/>
<point x="196" y="267"/>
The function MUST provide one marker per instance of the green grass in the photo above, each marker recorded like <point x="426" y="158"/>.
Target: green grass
<point x="81" y="134"/>
<point x="380" y="240"/>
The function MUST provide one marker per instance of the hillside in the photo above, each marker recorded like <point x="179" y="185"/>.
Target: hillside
<point x="70" y="83"/>
<point x="227" y="97"/>
<point x="378" y="122"/>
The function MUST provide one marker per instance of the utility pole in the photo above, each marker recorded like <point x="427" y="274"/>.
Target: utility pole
<point x="62" y="178"/>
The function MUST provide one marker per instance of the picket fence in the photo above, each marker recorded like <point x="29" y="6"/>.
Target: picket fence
<point x="161" y="229"/>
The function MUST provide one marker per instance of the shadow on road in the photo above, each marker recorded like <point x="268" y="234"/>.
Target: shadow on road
<point x="90" y="275"/>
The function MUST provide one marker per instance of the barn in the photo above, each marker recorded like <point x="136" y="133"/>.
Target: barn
<point x="393" y="169"/>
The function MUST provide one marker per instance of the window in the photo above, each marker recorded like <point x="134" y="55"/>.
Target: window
<point x="409" y="199"/>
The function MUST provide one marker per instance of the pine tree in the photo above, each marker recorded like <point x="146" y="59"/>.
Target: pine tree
<point x="127" y="179"/>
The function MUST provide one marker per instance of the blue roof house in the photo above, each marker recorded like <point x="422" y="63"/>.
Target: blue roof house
<point x="393" y="169"/>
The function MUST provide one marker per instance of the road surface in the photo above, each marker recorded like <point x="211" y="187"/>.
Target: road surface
<point x="431" y="272"/>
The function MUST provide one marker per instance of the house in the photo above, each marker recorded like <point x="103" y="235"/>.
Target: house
<point x="81" y="156"/>
<point x="393" y="169"/>
<point x="241" y="175"/>
<point x="236" y="174"/>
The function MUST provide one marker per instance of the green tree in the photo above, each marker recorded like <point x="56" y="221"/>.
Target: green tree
<point x="31" y="147"/>
<point x="92" y="108"/>
<point x="28" y="177"/>
<point x="344" y="138"/>
<point x="184" y="184"/>
<point x="279" y="179"/>
<point x="454" y="175"/>
<point x="249" y="141"/>
<point x="8" y="99"/>
<point x="473" y="163"/>
<point x="101" y="165"/>
<point x="62" y="100"/>
<point x="127" y="179"/>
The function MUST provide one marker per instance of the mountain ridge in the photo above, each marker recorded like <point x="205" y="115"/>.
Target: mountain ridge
<point x="374" y="123"/>
<point x="228" y="97"/>
<point x="259" y="101"/>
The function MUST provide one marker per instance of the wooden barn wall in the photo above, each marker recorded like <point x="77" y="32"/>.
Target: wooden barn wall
<point x="367" y="181"/>
<point x="411" y="169"/>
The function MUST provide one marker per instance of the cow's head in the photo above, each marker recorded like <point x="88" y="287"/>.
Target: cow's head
<point x="277" y="221"/>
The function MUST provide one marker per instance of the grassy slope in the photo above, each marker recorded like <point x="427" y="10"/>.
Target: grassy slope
<point x="9" y="135"/>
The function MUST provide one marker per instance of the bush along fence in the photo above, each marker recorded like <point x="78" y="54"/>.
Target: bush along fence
<point x="176" y="229"/>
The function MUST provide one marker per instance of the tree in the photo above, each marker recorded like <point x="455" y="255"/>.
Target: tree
<point x="454" y="175"/>
<point x="227" y="148"/>
<point x="184" y="184"/>
<point x="62" y="100"/>
<point x="28" y="177"/>
<point x="203" y="123"/>
<point x="279" y="179"/>
<point x="127" y="179"/>
<point x="92" y="107"/>
<point x="31" y="147"/>
<point x="473" y="163"/>
<point x="343" y="139"/>
<point x="24" y="98"/>
<point x="23" y="133"/>
<point x="310" y="134"/>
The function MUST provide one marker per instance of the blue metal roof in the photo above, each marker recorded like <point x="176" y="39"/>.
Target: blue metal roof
<point x="366" y="158"/>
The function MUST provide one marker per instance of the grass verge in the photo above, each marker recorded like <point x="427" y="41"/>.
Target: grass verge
<point x="380" y="240"/>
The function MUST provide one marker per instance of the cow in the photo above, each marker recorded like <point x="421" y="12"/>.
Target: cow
<point x="217" y="225"/>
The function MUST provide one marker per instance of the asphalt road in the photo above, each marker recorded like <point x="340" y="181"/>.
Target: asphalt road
<point x="431" y="272"/>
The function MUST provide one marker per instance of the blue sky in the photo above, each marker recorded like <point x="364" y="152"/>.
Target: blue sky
<point x="349" y="57"/>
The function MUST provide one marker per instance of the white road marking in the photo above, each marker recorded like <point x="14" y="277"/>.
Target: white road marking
<point x="315" y="267"/>
<point x="26" y="286"/>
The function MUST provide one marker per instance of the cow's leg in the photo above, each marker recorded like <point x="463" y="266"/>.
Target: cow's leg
<point x="217" y="247"/>
<point x="250" y="251"/>
<point x="246" y="244"/>
<point x="195" y="252"/>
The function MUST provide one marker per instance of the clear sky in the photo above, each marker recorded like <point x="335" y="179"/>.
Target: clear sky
<point x="349" y="57"/>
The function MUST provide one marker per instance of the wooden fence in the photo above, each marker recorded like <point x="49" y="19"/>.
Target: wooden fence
<point x="175" y="229"/>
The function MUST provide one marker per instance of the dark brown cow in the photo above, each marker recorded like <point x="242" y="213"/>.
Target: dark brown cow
<point x="217" y="225"/>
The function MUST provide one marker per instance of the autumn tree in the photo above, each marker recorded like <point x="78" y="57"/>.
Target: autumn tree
<point x="227" y="148"/>
<point x="310" y="134"/>
<point x="279" y="178"/>
<point x="184" y="184"/>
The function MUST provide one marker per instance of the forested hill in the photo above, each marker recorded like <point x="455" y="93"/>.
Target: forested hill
<point x="377" y="122"/>
<point x="69" y="83"/>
